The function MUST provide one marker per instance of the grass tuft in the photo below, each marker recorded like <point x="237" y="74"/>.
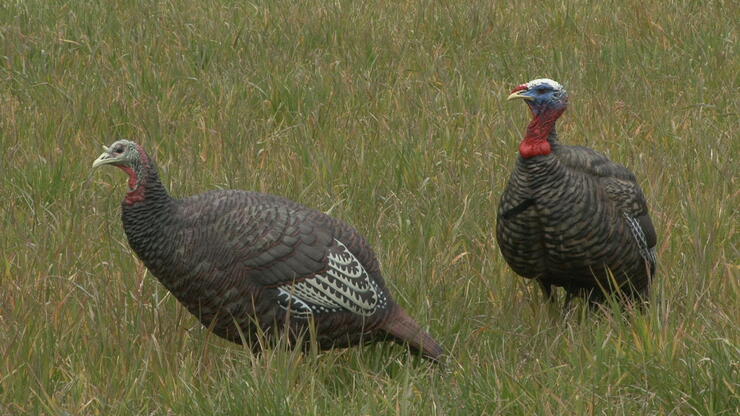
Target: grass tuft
<point x="391" y="116"/>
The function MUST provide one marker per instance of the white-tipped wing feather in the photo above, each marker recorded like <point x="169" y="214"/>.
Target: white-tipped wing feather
<point x="343" y="286"/>
<point x="648" y="253"/>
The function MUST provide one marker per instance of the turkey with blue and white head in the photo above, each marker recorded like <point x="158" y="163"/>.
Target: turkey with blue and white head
<point x="569" y="216"/>
<point x="248" y="263"/>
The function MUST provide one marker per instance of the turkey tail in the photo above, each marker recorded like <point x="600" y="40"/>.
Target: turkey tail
<point x="405" y="330"/>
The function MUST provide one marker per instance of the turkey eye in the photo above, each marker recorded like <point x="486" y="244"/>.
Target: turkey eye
<point x="541" y="90"/>
<point x="118" y="150"/>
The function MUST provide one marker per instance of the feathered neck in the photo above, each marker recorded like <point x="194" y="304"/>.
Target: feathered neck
<point x="143" y="181"/>
<point x="146" y="212"/>
<point x="540" y="134"/>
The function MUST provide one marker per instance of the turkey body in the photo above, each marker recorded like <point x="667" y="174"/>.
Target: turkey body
<point x="232" y="258"/>
<point x="252" y="266"/>
<point x="574" y="219"/>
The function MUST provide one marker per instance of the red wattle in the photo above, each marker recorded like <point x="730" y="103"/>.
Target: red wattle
<point x="137" y="195"/>
<point x="532" y="148"/>
<point x="535" y="142"/>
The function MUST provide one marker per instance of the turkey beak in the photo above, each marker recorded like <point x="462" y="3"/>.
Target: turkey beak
<point x="104" y="159"/>
<point x="519" y="94"/>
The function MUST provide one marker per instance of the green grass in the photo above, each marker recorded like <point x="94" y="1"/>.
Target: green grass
<point x="392" y="116"/>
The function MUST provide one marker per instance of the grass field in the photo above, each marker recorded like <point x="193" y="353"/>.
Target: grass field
<point x="391" y="115"/>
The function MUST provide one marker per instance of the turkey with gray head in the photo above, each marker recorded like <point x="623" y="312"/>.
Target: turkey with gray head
<point x="247" y="263"/>
<point x="569" y="216"/>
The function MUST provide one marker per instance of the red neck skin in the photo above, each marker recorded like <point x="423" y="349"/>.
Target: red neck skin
<point x="535" y="141"/>
<point x="136" y="193"/>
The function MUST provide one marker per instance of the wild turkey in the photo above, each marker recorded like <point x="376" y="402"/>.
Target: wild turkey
<point x="569" y="216"/>
<point x="247" y="263"/>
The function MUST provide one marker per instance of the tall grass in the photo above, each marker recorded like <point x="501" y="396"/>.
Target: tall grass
<point x="392" y="116"/>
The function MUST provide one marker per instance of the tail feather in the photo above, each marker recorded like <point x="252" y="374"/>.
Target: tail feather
<point x="404" y="329"/>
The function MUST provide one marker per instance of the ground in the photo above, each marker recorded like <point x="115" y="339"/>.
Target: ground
<point x="392" y="116"/>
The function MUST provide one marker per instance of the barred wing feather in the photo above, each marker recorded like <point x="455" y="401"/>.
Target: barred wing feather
<point x="344" y="285"/>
